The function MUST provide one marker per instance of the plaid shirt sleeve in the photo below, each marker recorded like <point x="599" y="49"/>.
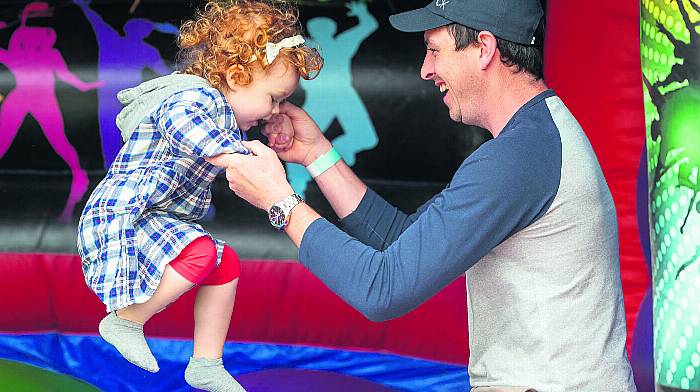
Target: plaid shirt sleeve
<point x="188" y="121"/>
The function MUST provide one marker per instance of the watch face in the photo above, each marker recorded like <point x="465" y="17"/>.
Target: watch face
<point x="276" y="216"/>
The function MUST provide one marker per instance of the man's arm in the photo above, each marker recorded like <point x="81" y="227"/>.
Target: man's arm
<point x="492" y="196"/>
<point x="463" y="223"/>
<point x="341" y="187"/>
<point x="373" y="220"/>
<point x="363" y="213"/>
<point x="339" y="184"/>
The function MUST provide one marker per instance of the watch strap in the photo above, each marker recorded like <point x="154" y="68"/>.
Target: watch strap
<point x="285" y="205"/>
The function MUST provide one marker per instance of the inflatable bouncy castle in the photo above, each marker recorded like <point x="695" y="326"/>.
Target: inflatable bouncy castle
<point x="627" y="71"/>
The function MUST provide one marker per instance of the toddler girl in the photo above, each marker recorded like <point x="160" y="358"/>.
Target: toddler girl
<point x="139" y="241"/>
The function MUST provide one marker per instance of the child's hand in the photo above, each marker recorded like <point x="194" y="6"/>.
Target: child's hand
<point x="279" y="132"/>
<point x="307" y="143"/>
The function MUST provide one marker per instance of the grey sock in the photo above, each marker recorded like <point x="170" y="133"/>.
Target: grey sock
<point x="127" y="337"/>
<point x="210" y="375"/>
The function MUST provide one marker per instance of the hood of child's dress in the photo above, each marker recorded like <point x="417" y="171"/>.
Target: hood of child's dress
<point x="141" y="100"/>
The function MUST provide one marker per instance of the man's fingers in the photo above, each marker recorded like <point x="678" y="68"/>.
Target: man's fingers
<point x="287" y="106"/>
<point x="272" y="139"/>
<point x="230" y="176"/>
<point x="268" y="130"/>
<point x="291" y="110"/>
<point x="222" y="160"/>
<point x="256" y="147"/>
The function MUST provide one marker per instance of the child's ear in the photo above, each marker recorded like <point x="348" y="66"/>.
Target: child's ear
<point x="234" y="80"/>
<point x="230" y="80"/>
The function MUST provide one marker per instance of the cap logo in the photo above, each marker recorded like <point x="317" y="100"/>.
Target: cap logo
<point x="441" y="4"/>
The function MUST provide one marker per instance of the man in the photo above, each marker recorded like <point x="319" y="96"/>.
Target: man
<point x="528" y="215"/>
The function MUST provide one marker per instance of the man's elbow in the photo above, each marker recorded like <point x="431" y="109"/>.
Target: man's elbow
<point x="377" y="317"/>
<point x="381" y="312"/>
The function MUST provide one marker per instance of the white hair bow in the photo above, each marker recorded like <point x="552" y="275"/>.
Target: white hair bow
<point x="272" y="50"/>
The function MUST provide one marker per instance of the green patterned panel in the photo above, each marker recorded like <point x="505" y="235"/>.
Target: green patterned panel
<point x="670" y="53"/>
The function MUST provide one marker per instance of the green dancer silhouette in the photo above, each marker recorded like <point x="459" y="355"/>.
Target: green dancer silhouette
<point x="331" y="94"/>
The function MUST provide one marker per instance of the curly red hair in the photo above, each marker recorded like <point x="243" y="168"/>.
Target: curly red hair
<point x="235" y="33"/>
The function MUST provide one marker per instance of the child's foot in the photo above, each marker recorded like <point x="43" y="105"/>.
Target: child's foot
<point x="210" y="375"/>
<point x="127" y="337"/>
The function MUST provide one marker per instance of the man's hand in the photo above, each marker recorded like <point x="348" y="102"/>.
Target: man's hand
<point x="258" y="178"/>
<point x="308" y="142"/>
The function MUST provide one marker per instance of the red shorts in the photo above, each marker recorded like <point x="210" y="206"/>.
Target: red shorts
<point x="197" y="263"/>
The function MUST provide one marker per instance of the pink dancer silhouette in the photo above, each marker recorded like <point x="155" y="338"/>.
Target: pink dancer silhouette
<point x="33" y="61"/>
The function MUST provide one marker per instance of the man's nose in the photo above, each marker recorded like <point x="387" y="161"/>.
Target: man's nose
<point x="427" y="70"/>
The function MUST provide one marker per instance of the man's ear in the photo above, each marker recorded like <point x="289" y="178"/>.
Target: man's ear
<point x="489" y="46"/>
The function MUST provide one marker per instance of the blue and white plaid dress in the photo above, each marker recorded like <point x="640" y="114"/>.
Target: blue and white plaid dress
<point x="144" y="212"/>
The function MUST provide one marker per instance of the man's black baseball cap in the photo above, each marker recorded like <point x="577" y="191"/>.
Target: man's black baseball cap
<point x="512" y="20"/>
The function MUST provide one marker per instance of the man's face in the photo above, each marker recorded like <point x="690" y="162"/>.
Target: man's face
<point x="453" y="72"/>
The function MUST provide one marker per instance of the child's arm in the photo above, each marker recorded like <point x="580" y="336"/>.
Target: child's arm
<point x="186" y="121"/>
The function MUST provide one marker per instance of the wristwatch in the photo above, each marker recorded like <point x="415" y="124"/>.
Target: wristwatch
<point x="280" y="212"/>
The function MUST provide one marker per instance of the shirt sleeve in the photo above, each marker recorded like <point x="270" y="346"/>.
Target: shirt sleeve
<point x="377" y="223"/>
<point x="186" y="121"/>
<point x="488" y="199"/>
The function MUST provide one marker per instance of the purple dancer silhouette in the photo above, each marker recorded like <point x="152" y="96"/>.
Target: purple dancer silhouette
<point x="33" y="61"/>
<point x="120" y="63"/>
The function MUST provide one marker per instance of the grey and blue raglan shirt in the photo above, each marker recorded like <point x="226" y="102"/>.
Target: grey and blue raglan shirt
<point x="531" y="220"/>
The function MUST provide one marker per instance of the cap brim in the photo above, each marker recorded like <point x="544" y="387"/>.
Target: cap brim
<point x="420" y="19"/>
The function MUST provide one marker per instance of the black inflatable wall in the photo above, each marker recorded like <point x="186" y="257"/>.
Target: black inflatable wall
<point x="372" y="86"/>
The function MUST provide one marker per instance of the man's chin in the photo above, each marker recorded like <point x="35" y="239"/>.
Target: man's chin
<point x="455" y="117"/>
